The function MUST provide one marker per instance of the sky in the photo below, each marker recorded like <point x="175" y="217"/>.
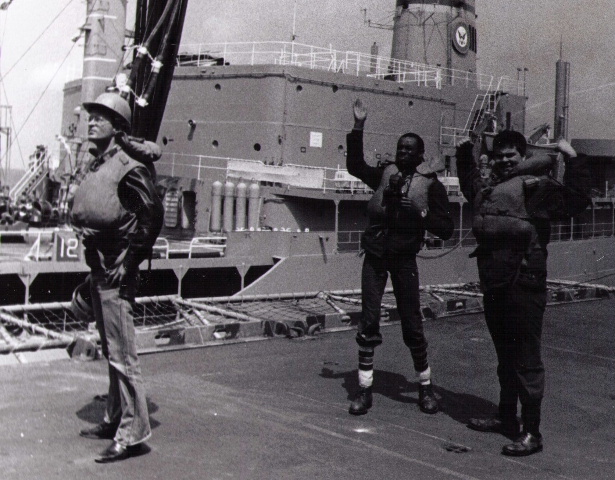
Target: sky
<point x="37" y="54"/>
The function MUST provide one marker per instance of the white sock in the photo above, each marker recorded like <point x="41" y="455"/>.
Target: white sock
<point x="424" y="377"/>
<point x="366" y="366"/>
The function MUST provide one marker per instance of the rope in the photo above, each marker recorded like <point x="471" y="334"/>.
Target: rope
<point x="440" y="255"/>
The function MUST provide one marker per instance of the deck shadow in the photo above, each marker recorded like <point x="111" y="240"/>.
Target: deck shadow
<point x="459" y="406"/>
<point x="94" y="411"/>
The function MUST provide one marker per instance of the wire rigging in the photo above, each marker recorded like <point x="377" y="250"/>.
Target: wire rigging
<point x="40" y="97"/>
<point x="143" y="49"/>
<point x="37" y="38"/>
<point x="12" y="120"/>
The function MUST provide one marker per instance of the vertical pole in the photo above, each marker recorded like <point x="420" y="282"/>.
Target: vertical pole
<point x="460" y="222"/>
<point x="337" y="238"/>
<point x="293" y="35"/>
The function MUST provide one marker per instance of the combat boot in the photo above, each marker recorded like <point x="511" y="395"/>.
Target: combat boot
<point x="361" y="402"/>
<point x="427" y="399"/>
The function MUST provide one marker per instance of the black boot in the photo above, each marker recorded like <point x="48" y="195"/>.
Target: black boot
<point x="427" y="399"/>
<point x="526" y="444"/>
<point x="361" y="402"/>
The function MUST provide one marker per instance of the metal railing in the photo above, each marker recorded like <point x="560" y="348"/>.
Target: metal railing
<point x="562" y="231"/>
<point x="346" y="62"/>
<point x="29" y="245"/>
<point x="38" y="245"/>
<point x="215" y="246"/>
<point x="326" y="179"/>
<point x="484" y="104"/>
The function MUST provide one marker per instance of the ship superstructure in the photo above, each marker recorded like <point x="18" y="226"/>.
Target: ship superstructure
<point x="257" y="198"/>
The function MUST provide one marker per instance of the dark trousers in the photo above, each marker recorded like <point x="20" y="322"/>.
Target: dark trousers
<point x="514" y="318"/>
<point x="405" y="279"/>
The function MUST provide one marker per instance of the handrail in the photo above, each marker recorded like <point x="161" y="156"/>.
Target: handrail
<point x="164" y="247"/>
<point x="346" y="62"/>
<point x="196" y="243"/>
<point x="289" y="175"/>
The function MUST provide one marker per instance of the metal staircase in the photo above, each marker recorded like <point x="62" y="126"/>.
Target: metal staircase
<point x="31" y="179"/>
<point x="484" y="104"/>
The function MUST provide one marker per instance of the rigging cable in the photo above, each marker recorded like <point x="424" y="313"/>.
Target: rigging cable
<point x="40" y="98"/>
<point x="37" y="38"/>
<point x="157" y="64"/>
<point x="143" y="50"/>
<point x="12" y="120"/>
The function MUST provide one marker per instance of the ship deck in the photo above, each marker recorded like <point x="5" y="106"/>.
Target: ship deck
<point x="277" y="408"/>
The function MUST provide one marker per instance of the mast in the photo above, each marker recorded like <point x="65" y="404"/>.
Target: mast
<point x="5" y="124"/>
<point x="103" y="51"/>
<point x="436" y="32"/>
<point x="562" y="93"/>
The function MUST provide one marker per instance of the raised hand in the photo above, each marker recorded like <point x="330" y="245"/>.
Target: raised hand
<point x="360" y="114"/>
<point x="465" y="151"/>
<point x="565" y="147"/>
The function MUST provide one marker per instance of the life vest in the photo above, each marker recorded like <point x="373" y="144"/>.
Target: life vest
<point x="418" y="190"/>
<point x="393" y="229"/>
<point x="96" y="204"/>
<point x="415" y="188"/>
<point x="376" y="205"/>
<point x="502" y="220"/>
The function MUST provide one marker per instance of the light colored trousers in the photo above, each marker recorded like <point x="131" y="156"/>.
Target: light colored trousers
<point x="126" y="402"/>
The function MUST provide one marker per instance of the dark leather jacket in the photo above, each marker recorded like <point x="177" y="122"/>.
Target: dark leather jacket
<point x="118" y="213"/>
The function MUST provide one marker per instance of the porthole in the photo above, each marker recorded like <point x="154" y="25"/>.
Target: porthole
<point x="299" y="88"/>
<point x="218" y="86"/>
<point x="257" y="147"/>
<point x="334" y="88"/>
<point x="214" y="144"/>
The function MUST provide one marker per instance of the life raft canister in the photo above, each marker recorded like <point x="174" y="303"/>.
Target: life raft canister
<point x="502" y="219"/>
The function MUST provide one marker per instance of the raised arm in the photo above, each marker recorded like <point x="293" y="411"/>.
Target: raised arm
<point x="577" y="179"/>
<point x="355" y="160"/>
<point x="470" y="180"/>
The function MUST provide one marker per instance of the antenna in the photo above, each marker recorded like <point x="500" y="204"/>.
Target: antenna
<point x="5" y="119"/>
<point x="294" y="35"/>
<point x="370" y="24"/>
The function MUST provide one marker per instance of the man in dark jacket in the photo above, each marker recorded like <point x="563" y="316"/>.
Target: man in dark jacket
<point x="408" y="199"/>
<point x="512" y="210"/>
<point x="118" y="214"/>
